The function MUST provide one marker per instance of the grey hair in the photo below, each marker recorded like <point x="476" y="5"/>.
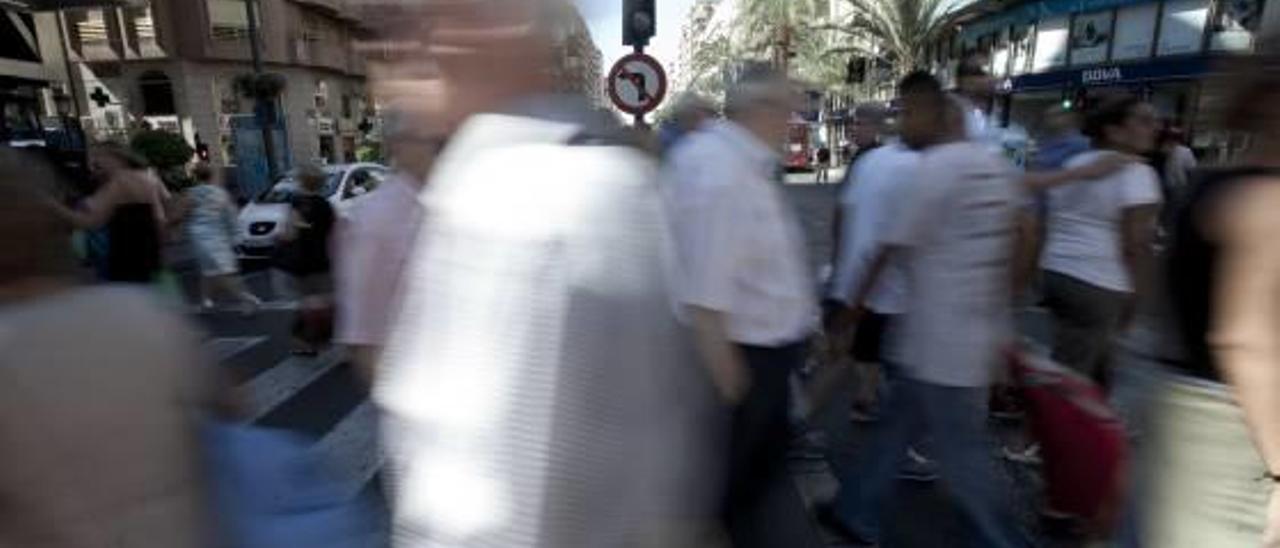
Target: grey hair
<point x="758" y="85"/>
<point x="688" y="103"/>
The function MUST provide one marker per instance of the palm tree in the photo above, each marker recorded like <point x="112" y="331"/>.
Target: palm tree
<point x="894" y="32"/>
<point x="778" y="28"/>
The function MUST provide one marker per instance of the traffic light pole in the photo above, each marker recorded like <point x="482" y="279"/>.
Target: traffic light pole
<point x="264" y="109"/>
<point x="639" y="18"/>
<point x="638" y="118"/>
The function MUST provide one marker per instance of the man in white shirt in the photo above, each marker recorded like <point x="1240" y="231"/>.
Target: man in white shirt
<point x="868" y="205"/>
<point x="954" y="234"/>
<point x="746" y="282"/>
<point x="537" y="389"/>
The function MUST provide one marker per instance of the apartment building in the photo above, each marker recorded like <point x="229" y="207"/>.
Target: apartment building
<point x="174" y="64"/>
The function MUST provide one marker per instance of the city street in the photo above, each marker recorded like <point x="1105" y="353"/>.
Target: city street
<point x="321" y="398"/>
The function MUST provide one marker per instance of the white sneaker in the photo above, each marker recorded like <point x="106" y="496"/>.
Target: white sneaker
<point x="1029" y="456"/>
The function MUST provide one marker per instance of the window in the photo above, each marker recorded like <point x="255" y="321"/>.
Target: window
<point x="18" y="38"/>
<point x="157" y="94"/>
<point x="88" y="29"/>
<point x="228" y="19"/>
<point x="1090" y="37"/>
<point x="321" y="96"/>
<point x="1051" y="43"/>
<point x="1182" y="27"/>
<point x="142" y="28"/>
<point x="1135" y="31"/>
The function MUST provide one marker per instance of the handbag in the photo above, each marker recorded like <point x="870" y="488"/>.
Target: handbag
<point x="1083" y="442"/>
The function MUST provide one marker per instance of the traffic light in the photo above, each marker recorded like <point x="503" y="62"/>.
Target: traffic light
<point x="639" y="21"/>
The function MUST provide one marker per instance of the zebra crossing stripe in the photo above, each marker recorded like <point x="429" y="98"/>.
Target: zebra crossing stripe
<point x="277" y="385"/>
<point x="225" y="348"/>
<point x="352" y="447"/>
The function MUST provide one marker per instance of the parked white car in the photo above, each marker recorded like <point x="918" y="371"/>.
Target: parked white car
<point x="263" y="219"/>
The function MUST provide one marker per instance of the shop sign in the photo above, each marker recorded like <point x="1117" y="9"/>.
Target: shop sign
<point x="1173" y="69"/>
<point x="1101" y="75"/>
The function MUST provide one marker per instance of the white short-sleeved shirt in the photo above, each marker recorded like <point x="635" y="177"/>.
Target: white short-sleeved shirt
<point x="868" y="206"/>
<point x="1083" y="231"/>
<point x="373" y="248"/>
<point x="955" y="229"/>
<point x="741" y="249"/>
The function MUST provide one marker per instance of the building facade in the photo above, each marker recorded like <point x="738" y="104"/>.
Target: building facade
<point x="174" y="64"/>
<point x="578" y="59"/>
<point x="34" y="83"/>
<point x="1064" y="52"/>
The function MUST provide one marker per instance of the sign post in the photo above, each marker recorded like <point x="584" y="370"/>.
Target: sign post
<point x="637" y="84"/>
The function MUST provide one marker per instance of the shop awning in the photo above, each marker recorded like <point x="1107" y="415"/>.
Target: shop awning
<point x="1119" y="74"/>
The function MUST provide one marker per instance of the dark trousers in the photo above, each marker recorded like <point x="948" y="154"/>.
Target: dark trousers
<point x="759" y="436"/>
<point x="1085" y="321"/>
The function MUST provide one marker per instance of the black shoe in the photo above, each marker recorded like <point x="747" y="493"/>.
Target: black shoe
<point x="1060" y="526"/>
<point x="828" y="519"/>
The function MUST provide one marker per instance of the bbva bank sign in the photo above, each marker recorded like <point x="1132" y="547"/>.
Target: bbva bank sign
<point x="1100" y="75"/>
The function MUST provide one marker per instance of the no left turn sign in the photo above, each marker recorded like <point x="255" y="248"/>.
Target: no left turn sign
<point x="637" y="84"/>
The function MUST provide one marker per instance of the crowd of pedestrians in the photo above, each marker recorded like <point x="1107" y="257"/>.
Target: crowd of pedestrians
<point x="580" y="335"/>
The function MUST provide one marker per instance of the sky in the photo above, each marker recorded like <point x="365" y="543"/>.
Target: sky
<point x="604" y="18"/>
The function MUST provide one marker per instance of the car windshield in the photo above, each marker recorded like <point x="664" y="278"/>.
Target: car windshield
<point x="285" y="190"/>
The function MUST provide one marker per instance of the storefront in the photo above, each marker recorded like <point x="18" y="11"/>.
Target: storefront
<point x="1053" y="53"/>
<point x="1171" y="85"/>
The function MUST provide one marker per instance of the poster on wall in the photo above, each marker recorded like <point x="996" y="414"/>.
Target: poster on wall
<point x="1182" y="27"/>
<point x="1234" y="25"/>
<point x="1135" y="32"/>
<point x="1090" y="36"/>
<point x="1051" y="44"/>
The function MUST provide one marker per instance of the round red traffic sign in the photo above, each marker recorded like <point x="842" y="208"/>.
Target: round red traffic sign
<point x="637" y="84"/>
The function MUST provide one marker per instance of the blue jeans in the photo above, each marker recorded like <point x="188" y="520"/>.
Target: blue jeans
<point x="956" y="420"/>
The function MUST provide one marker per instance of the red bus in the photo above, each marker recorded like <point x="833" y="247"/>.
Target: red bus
<point x="799" y="146"/>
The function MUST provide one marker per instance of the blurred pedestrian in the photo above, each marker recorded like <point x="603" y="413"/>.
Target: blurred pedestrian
<point x="538" y="390"/>
<point x="689" y="113"/>
<point x="869" y="209"/>
<point x="746" y="283"/>
<point x="954" y="234"/>
<point x="1216" y="449"/>
<point x="1179" y="162"/>
<point x="822" y="164"/>
<point x="304" y="256"/>
<point x="868" y="132"/>
<point x="1175" y="163"/>
<point x="101" y="391"/>
<point x="375" y="239"/>
<point x="131" y="205"/>
<point x="211" y="229"/>
<point x="1097" y="252"/>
